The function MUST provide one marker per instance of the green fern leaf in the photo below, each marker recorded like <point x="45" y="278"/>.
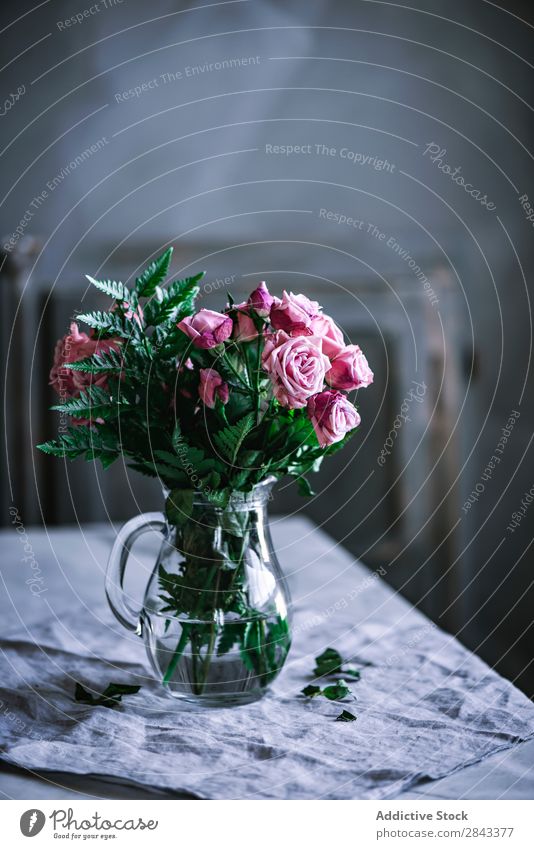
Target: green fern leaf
<point x="56" y="448"/>
<point x="109" y="323"/>
<point x="230" y="439"/>
<point x="174" y="303"/>
<point x="146" y="284"/>
<point x="93" y="403"/>
<point x="82" y="440"/>
<point x="112" y="288"/>
<point x="108" y="362"/>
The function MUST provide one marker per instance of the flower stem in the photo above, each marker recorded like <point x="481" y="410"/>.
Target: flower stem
<point x="258" y="368"/>
<point x="234" y="371"/>
<point x="178" y="651"/>
<point x="213" y="635"/>
<point x="186" y="627"/>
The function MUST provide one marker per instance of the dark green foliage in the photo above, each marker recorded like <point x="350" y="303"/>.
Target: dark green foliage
<point x="230" y="439"/>
<point x="146" y="284"/>
<point x="106" y="362"/>
<point x="92" y="403"/>
<point x="336" y="692"/>
<point x="330" y="662"/>
<point x="345" y="716"/>
<point x="311" y="690"/>
<point x="333" y="692"/>
<point x="110" y="698"/>
<point x="172" y="304"/>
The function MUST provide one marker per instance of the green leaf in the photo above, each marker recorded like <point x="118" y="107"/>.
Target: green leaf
<point x="328" y="663"/>
<point x="234" y="522"/>
<point x="81" y="440"/>
<point x="106" y="362"/>
<point x="111" y="697"/>
<point x="56" y="449"/>
<point x="146" y="284"/>
<point x="179" y="506"/>
<point x="311" y="690"/>
<point x="92" y="403"/>
<point x="336" y="692"/>
<point x="115" y="290"/>
<point x="351" y="672"/>
<point x="173" y="303"/>
<point x="191" y="459"/>
<point x="220" y="497"/>
<point x="345" y="716"/>
<point x="230" y="439"/>
<point x="232" y="633"/>
<point x="110" y="323"/>
<point x="304" y="487"/>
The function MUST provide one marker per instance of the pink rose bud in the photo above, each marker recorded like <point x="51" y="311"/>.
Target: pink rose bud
<point x="244" y="328"/>
<point x="330" y="333"/>
<point x="294" y="314"/>
<point x="211" y="387"/>
<point x="349" y="369"/>
<point x="332" y="416"/>
<point x="261" y="300"/>
<point x="207" y="328"/>
<point x="296" y="366"/>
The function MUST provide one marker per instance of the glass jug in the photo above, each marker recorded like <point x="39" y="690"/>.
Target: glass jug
<point x="215" y="617"/>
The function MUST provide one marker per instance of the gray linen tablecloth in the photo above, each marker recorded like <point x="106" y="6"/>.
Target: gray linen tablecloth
<point x="425" y="706"/>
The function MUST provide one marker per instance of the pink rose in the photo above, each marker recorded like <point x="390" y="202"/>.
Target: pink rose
<point x="71" y="348"/>
<point x="294" y="314"/>
<point x="349" y="369"/>
<point x="330" y="333"/>
<point x="332" y="416"/>
<point x="207" y="328"/>
<point x="261" y="300"/>
<point x="296" y="366"/>
<point x="211" y="387"/>
<point x="244" y="328"/>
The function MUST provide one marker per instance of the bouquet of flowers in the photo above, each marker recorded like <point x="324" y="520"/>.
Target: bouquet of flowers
<point x="216" y="401"/>
<point x="216" y="405"/>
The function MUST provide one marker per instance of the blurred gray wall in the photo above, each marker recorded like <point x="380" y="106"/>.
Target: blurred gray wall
<point x="137" y="125"/>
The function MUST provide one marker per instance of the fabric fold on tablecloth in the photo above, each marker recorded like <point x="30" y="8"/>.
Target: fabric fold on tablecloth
<point x="425" y="708"/>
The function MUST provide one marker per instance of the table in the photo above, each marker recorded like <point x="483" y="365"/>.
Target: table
<point x="64" y="567"/>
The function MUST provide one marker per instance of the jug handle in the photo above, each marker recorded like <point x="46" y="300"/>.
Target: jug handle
<point x="115" y="593"/>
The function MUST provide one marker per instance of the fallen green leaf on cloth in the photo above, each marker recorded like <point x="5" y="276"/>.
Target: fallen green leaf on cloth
<point x="334" y="692"/>
<point x="111" y="697"/>
<point x="345" y="716"/>
<point x="330" y="662"/>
